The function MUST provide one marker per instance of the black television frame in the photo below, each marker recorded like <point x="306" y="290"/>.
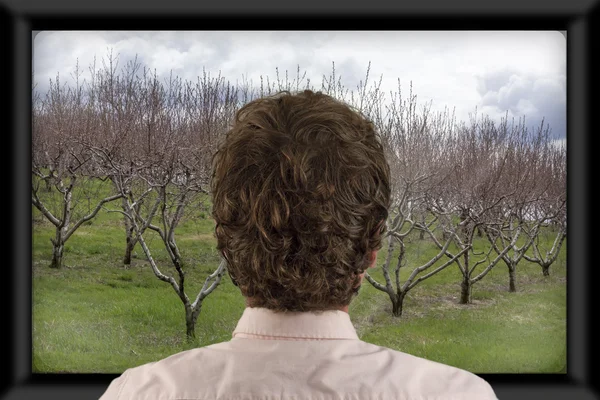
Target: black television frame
<point x="576" y="17"/>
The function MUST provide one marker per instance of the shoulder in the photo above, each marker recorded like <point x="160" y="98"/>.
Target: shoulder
<point x="425" y="379"/>
<point x="356" y="368"/>
<point x="149" y="381"/>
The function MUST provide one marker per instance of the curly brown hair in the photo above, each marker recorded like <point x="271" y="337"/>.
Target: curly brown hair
<point x="301" y="193"/>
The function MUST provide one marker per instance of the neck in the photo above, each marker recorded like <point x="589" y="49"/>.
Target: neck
<point x="344" y="309"/>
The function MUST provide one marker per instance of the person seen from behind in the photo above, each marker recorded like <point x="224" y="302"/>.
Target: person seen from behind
<point x="301" y="191"/>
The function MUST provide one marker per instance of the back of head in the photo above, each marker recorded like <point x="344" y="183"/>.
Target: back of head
<point x="300" y="188"/>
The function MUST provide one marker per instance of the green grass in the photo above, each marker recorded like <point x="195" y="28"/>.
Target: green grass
<point x="94" y="316"/>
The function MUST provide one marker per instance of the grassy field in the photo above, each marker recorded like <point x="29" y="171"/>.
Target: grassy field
<point x="95" y="316"/>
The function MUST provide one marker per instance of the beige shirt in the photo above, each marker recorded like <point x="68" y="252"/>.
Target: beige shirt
<point x="296" y="356"/>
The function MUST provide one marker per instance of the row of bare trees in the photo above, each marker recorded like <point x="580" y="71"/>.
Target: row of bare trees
<point x="129" y="143"/>
<point x="456" y="182"/>
<point x="127" y="136"/>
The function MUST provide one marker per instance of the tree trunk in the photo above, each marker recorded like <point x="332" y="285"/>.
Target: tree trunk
<point x="397" y="306"/>
<point x="512" y="278"/>
<point x="130" y="244"/>
<point x="465" y="291"/>
<point x="58" y="248"/>
<point x="130" y="239"/>
<point x="546" y="270"/>
<point x="57" y="255"/>
<point x="190" y="323"/>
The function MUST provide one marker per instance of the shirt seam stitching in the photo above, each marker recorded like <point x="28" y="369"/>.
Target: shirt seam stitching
<point x="122" y="386"/>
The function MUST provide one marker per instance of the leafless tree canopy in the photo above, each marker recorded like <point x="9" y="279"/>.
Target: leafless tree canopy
<point x="127" y="135"/>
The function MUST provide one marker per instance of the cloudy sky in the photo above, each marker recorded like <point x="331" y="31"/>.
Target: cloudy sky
<point x="522" y="72"/>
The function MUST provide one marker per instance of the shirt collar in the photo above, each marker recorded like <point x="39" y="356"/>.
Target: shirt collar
<point x="331" y="324"/>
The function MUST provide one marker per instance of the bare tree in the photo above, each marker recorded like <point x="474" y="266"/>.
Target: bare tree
<point x="524" y="177"/>
<point x="414" y="144"/>
<point x="470" y="197"/>
<point x="119" y="100"/>
<point x="158" y="203"/>
<point x="169" y="176"/>
<point x="550" y="210"/>
<point x="546" y="258"/>
<point x="60" y="122"/>
<point x="510" y="233"/>
<point x="136" y="111"/>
